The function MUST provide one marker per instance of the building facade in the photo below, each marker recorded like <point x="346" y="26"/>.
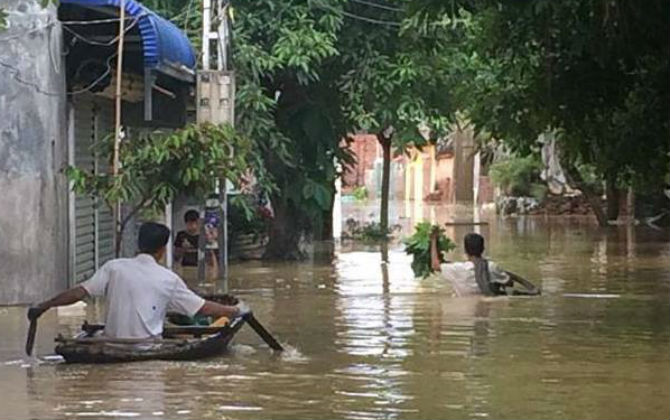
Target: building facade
<point x="56" y="102"/>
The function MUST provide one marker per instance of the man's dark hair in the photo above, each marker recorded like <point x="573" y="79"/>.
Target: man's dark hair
<point x="191" y="216"/>
<point x="152" y="237"/>
<point x="473" y="244"/>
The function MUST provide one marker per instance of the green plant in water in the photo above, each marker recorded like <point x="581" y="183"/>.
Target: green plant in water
<point x="360" y="193"/>
<point x="516" y="175"/>
<point x="368" y="232"/>
<point x="418" y="246"/>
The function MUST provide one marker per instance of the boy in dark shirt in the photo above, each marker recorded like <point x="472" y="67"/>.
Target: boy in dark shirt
<point x="186" y="242"/>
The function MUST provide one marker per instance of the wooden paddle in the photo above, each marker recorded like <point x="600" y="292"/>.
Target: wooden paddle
<point x="226" y="299"/>
<point x="532" y="289"/>
<point x="32" y="330"/>
<point x="262" y="332"/>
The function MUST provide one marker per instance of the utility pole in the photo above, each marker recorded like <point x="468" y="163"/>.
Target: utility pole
<point x="116" y="211"/>
<point x="215" y="104"/>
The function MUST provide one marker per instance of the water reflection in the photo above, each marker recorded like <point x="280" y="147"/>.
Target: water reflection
<point x="368" y="340"/>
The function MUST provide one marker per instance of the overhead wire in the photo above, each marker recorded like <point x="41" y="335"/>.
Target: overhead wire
<point x="377" y="5"/>
<point x="93" y="21"/>
<point x="188" y="12"/>
<point x="370" y="20"/>
<point x="38" y="88"/>
<point x="107" y="43"/>
<point x="96" y="81"/>
<point x="30" y="31"/>
<point x="361" y="18"/>
<point x="17" y="73"/>
<point x="51" y="23"/>
<point x="19" y="79"/>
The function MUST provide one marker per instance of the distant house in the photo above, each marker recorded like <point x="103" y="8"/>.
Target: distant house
<point x="56" y="97"/>
<point x="443" y="172"/>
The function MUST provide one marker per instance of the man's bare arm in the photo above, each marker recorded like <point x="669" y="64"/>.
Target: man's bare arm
<point x="217" y="310"/>
<point x="528" y="285"/>
<point x="68" y="297"/>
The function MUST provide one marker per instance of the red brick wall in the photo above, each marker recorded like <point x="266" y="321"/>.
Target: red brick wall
<point x="364" y="148"/>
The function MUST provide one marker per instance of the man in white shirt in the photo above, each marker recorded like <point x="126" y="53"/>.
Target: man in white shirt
<point x="139" y="291"/>
<point x="477" y="276"/>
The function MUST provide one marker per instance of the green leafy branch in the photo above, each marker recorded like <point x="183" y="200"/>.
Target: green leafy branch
<point x="156" y="167"/>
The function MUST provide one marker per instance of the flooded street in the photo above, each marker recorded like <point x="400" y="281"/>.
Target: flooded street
<point x="369" y="341"/>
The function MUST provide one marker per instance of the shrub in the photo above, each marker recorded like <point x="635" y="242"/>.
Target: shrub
<point x="246" y="216"/>
<point x="418" y="246"/>
<point x="360" y="193"/>
<point x="538" y="191"/>
<point x="516" y="175"/>
<point x="368" y="232"/>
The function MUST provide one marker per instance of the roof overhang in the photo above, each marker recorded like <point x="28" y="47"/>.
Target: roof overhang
<point x="165" y="48"/>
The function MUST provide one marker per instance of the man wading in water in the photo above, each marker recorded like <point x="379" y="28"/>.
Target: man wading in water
<point x="477" y="276"/>
<point x="139" y="292"/>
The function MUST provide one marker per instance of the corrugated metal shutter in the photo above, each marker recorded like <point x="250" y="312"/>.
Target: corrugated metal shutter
<point x="84" y="238"/>
<point x="94" y="228"/>
<point x="105" y="225"/>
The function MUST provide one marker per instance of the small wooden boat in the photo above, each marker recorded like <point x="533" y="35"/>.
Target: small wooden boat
<point x="177" y="343"/>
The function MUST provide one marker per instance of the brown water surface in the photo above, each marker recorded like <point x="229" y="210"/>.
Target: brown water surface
<point x="368" y="341"/>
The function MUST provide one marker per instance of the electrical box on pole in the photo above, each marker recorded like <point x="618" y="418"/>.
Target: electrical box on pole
<point x="215" y="96"/>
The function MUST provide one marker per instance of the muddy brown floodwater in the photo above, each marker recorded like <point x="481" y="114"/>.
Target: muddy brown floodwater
<point x="366" y="341"/>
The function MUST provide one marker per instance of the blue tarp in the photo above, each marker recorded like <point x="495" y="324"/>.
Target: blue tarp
<point x="163" y="44"/>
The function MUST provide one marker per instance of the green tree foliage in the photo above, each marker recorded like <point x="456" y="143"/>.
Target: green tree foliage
<point x="595" y="70"/>
<point x="3" y="19"/>
<point x="288" y="103"/>
<point x="393" y="84"/>
<point x="156" y="167"/>
<point x="418" y="246"/>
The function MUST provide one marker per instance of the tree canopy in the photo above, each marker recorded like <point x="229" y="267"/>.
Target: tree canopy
<point x="595" y="70"/>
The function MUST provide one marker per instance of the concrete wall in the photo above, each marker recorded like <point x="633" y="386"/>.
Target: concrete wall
<point x="464" y="148"/>
<point x="33" y="202"/>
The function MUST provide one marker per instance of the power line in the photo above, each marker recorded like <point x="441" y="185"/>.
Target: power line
<point x="38" y="88"/>
<point x="361" y="18"/>
<point x="64" y="22"/>
<point x="92" y="21"/>
<point x="370" y="20"/>
<point x="23" y="34"/>
<point x="19" y="79"/>
<point x="104" y="44"/>
<point x="378" y="5"/>
<point x="96" y="81"/>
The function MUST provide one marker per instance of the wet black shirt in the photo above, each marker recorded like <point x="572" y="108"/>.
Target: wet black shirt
<point x="190" y="254"/>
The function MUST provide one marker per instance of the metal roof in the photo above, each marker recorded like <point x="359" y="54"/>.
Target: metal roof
<point x="165" y="47"/>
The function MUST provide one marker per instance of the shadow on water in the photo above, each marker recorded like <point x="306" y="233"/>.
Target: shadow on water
<point x="368" y="340"/>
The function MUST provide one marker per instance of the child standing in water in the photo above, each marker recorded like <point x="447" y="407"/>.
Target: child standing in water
<point x="186" y="242"/>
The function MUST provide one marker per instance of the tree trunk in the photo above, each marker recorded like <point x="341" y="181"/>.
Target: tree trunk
<point x="613" y="197"/>
<point x="327" y="225"/>
<point x="576" y="180"/>
<point x="284" y="235"/>
<point x="386" y="176"/>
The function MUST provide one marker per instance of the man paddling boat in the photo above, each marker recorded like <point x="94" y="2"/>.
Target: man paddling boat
<point x="139" y="291"/>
